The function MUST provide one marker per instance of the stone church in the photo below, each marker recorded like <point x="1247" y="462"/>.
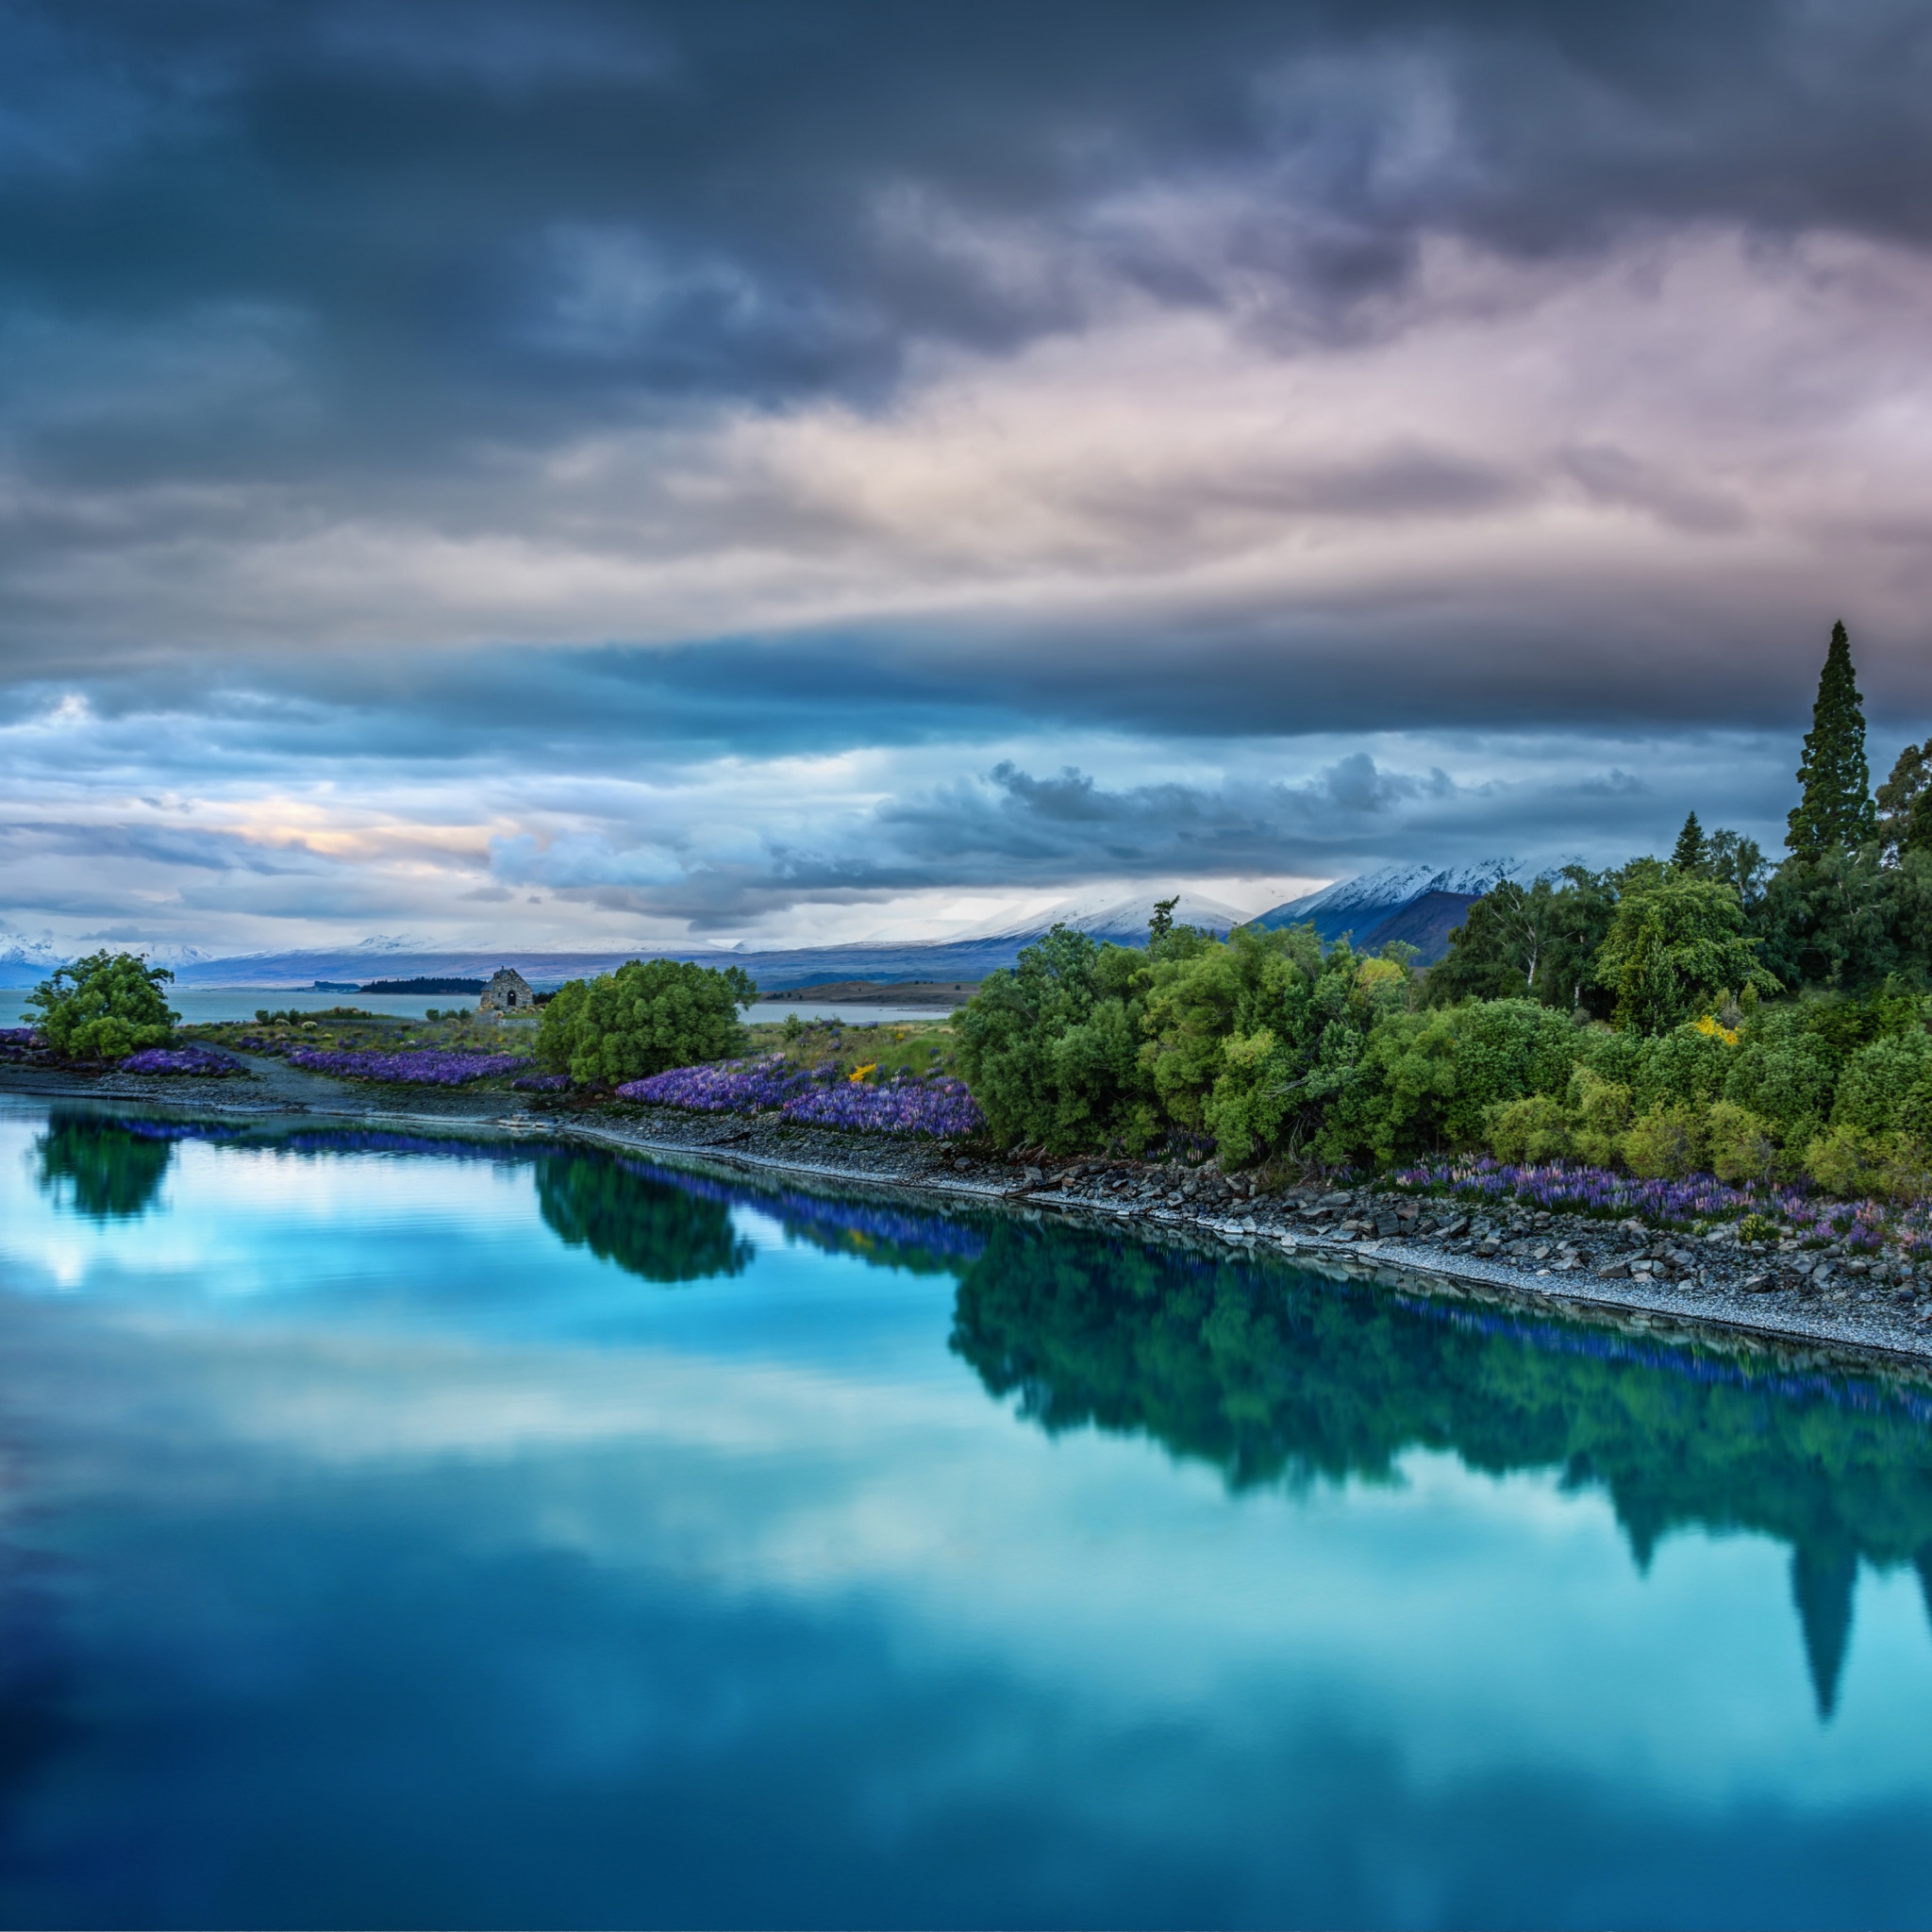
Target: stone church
<point x="508" y="991"/>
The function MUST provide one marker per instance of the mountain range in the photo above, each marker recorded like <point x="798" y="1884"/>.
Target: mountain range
<point x="1421" y="904"/>
<point x="1417" y="903"/>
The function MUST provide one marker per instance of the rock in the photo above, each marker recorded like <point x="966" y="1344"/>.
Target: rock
<point x="1613" y="1270"/>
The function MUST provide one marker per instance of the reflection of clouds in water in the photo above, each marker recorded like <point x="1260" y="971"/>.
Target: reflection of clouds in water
<point x="1408" y="1491"/>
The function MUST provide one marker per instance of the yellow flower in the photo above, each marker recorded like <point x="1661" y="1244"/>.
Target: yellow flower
<point x="858" y="1073"/>
<point x="1710" y="1029"/>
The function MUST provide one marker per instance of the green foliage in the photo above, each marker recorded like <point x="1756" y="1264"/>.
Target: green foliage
<point x="1848" y="920"/>
<point x="1269" y="1379"/>
<point x="1269" y="1046"/>
<point x="1541" y="940"/>
<point x="1692" y="851"/>
<point x="1887" y="1088"/>
<point x="1735" y="861"/>
<point x="104" y="1170"/>
<point x="103" y="1007"/>
<point x="647" y="1227"/>
<point x="1835" y="811"/>
<point x="1676" y="943"/>
<point x="647" y="1016"/>
<point x="1742" y="1146"/>
<point x="1249" y="1038"/>
<point x="1431" y="1081"/>
<point x="1904" y="803"/>
<point x="1665" y="1143"/>
<point x="1052" y="1048"/>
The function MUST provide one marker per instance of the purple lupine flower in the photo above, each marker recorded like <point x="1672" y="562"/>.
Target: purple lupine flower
<point x="1566" y="1185"/>
<point x="723" y="1087"/>
<point x="936" y="1105"/>
<point x="207" y="1061"/>
<point x="907" y="1104"/>
<point x="542" y="1083"/>
<point x="427" y="1066"/>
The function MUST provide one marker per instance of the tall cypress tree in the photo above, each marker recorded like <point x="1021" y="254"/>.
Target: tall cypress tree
<point x="1836" y="810"/>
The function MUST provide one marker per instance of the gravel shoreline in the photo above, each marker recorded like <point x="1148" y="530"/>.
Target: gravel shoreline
<point x="1829" y="1307"/>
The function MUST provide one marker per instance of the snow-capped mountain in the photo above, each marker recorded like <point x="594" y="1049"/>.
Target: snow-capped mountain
<point x="24" y="961"/>
<point x="1361" y="906"/>
<point x="1120" y="921"/>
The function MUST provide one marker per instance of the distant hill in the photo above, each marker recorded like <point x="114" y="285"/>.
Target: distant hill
<point x="1425" y="923"/>
<point x="1419" y="904"/>
<point x="405" y="986"/>
<point x="775" y="969"/>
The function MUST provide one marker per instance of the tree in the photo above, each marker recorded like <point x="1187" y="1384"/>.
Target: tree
<point x="648" y="1016"/>
<point x="1904" y="803"/>
<point x="1161" y="926"/>
<point x="103" y="1007"/>
<point x="1676" y="943"/>
<point x="1692" y="852"/>
<point x="1739" y="862"/>
<point x="1542" y="939"/>
<point x="1835" y="811"/>
<point x="1050" y="1046"/>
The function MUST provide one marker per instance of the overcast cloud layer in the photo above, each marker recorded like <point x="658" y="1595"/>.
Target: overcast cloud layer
<point x="604" y="472"/>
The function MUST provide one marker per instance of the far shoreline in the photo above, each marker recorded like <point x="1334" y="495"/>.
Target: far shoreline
<point x="1844" y="1337"/>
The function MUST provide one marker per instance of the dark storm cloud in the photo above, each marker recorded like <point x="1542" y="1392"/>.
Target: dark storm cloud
<point x="954" y="388"/>
<point x="495" y="219"/>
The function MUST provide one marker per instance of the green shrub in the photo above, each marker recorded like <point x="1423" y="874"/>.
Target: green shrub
<point x="648" y="1016"/>
<point x="1887" y="1086"/>
<point x="1742" y="1147"/>
<point x="1050" y="1047"/>
<point x="1666" y="1143"/>
<point x="1675" y="943"/>
<point x="1599" y="1116"/>
<point x="1534" y="1128"/>
<point x="1843" y="1160"/>
<point x="105" y="1007"/>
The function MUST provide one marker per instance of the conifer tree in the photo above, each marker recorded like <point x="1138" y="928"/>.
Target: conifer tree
<point x="1835" y="810"/>
<point x="1691" y="854"/>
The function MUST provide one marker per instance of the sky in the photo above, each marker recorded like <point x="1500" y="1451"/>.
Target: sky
<point x="603" y="474"/>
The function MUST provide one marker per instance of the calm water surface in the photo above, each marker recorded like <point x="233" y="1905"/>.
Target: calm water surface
<point x="436" y="1534"/>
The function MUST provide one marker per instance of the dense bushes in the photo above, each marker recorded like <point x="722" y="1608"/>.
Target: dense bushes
<point x="105" y="1007"/>
<point x="647" y="1016"/>
<point x="1263" y="1046"/>
<point x="1085" y="1046"/>
<point x="1664" y="1016"/>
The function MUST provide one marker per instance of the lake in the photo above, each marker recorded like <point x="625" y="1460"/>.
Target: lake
<point x="201" y="1005"/>
<point x="431" y="1532"/>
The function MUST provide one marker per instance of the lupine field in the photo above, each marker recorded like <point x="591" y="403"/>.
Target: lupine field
<point x="429" y="1066"/>
<point x="931" y="1104"/>
<point x="206" y="1062"/>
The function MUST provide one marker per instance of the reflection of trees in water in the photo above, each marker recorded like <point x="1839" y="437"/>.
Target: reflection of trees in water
<point x="646" y="1225"/>
<point x="1274" y="1379"/>
<point x="104" y="1169"/>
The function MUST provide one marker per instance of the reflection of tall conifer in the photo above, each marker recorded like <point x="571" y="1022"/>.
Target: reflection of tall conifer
<point x="1835" y="808"/>
<point x="1822" y="1583"/>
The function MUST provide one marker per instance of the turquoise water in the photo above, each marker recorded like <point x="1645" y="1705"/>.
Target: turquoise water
<point x="417" y="1533"/>
<point x="200" y="1006"/>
